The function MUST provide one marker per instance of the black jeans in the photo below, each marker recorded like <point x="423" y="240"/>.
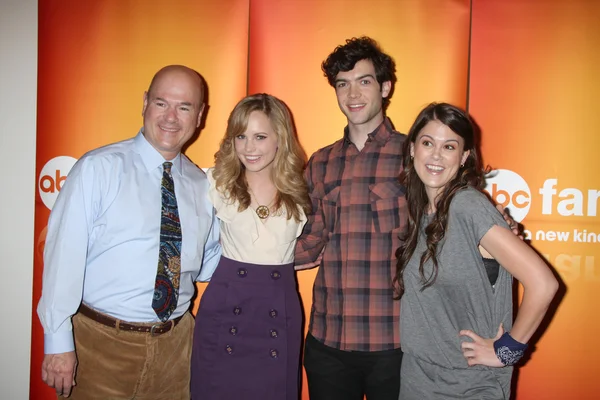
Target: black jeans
<point x="349" y="375"/>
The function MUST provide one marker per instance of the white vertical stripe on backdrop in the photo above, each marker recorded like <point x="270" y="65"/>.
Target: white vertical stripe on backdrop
<point x="18" y="97"/>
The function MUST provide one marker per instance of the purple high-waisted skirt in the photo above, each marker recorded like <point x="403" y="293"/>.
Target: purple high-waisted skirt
<point x="248" y="334"/>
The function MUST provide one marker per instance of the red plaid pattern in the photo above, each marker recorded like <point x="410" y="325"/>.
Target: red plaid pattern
<point x="359" y="210"/>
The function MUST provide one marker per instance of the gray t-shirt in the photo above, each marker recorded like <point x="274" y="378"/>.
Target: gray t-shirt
<point x="462" y="296"/>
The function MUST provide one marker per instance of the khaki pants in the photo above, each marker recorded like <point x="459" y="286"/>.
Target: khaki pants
<point x="114" y="364"/>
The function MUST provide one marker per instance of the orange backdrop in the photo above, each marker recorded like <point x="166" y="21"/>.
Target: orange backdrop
<point x="290" y="39"/>
<point x="96" y="59"/>
<point x="524" y="72"/>
<point x="534" y="77"/>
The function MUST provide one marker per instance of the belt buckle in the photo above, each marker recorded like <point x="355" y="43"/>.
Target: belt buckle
<point x="152" y="329"/>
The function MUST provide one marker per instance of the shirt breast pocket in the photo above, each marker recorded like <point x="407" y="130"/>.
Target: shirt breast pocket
<point x="388" y="205"/>
<point x="330" y="204"/>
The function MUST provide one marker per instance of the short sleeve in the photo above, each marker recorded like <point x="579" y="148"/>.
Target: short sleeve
<point x="472" y="209"/>
<point x="303" y="220"/>
<point x="224" y="210"/>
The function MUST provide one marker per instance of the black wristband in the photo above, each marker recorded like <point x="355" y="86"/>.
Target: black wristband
<point x="508" y="350"/>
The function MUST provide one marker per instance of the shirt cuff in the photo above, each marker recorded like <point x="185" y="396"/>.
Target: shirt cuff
<point x="210" y="263"/>
<point x="301" y="260"/>
<point x="60" y="342"/>
<point x="303" y="256"/>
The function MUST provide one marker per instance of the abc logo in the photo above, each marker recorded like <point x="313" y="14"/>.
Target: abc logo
<point x="511" y="191"/>
<point x="52" y="177"/>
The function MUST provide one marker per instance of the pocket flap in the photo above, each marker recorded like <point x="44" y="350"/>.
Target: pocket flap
<point x="386" y="190"/>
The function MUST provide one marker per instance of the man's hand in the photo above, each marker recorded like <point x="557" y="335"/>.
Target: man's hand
<point x="58" y="372"/>
<point x="514" y="225"/>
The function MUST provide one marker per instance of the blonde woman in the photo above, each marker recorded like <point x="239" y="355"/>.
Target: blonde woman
<point x="249" y="324"/>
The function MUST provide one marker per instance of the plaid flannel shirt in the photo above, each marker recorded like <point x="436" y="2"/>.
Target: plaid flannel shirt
<point x="359" y="210"/>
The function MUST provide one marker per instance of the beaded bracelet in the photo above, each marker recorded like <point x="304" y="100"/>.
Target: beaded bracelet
<point x="508" y="350"/>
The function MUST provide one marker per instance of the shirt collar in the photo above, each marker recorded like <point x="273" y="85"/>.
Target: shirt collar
<point x="380" y="135"/>
<point x="152" y="158"/>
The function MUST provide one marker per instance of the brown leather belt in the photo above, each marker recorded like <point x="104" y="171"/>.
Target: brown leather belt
<point x="154" y="329"/>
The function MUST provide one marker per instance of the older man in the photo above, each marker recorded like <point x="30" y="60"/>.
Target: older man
<point x="126" y="240"/>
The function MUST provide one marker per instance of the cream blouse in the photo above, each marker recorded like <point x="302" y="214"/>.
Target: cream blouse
<point x="247" y="238"/>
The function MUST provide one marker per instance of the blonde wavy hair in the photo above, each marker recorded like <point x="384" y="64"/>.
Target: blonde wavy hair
<point x="288" y="166"/>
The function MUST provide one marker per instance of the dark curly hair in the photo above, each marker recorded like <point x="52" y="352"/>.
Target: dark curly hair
<point x="345" y="57"/>
<point x="470" y="174"/>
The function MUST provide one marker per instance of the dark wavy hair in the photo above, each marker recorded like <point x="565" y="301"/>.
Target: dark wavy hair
<point x="345" y="57"/>
<point x="470" y="174"/>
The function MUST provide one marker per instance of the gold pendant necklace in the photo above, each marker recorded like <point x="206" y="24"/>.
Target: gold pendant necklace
<point x="262" y="211"/>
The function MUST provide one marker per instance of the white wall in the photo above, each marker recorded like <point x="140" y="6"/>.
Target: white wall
<point x="18" y="91"/>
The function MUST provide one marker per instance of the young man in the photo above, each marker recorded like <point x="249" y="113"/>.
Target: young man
<point x="359" y="210"/>
<point x="126" y="239"/>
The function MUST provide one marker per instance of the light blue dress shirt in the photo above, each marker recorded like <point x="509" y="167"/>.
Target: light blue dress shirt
<point x="103" y="238"/>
